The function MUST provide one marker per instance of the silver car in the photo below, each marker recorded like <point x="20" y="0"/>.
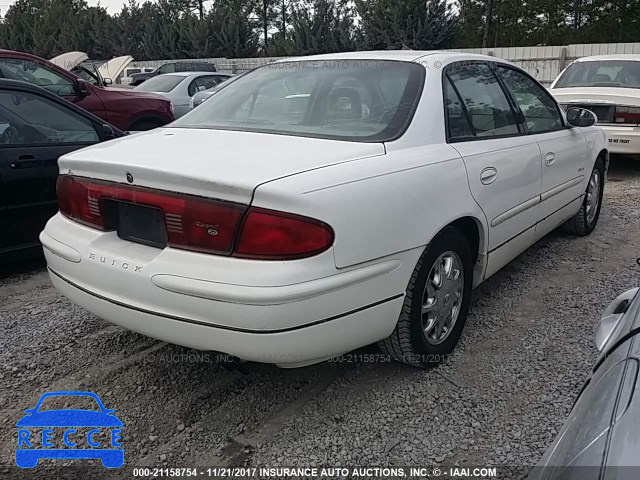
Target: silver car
<point x="602" y="431"/>
<point x="180" y="87"/>
<point x="200" y="97"/>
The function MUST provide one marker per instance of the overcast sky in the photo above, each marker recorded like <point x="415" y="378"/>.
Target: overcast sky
<point x="112" y="6"/>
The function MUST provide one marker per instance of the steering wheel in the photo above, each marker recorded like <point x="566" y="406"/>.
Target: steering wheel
<point x="10" y="135"/>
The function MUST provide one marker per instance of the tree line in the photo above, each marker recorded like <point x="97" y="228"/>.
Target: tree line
<point x="247" y="28"/>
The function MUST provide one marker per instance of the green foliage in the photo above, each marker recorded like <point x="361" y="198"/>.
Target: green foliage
<point x="166" y="29"/>
<point x="413" y="24"/>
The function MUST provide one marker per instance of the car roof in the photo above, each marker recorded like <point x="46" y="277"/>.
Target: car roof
<point x="619" y="57"/>
<point x="397" y="55"/>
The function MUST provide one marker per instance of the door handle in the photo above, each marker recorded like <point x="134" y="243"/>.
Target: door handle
<point x="488" y="175"/>
<point x="25" y="161"/>
<point x="550" y="159"/>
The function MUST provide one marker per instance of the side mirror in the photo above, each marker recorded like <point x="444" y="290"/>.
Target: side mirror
<point x="107" y="132"/>
<point x="81" y="88"/>
<point x="611" y="318"/>
<point x="580" y="117"/>
<point x="107" y="81"/>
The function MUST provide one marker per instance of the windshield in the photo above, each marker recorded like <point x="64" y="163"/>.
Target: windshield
<point x="63" y="402"/>
<point x="363" y="100"/>
<point x="606" y="73"/>
<point x="161" y="83"/>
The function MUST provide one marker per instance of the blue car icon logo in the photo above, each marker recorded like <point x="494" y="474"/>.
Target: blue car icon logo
<point x="74" y="422"/>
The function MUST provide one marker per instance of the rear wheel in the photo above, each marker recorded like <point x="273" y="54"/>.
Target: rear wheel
<point x="584" y="222"/>
<point x="436" y="302"/>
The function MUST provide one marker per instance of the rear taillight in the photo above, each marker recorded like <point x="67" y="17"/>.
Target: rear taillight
<point x="191" y="223"/>
<point x="198" y="224"/>
<point x="78" y="201"/>
<point x="272" y="235"/>
<point x="629" y="115"/>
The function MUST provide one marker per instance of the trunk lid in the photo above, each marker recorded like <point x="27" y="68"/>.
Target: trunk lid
<point x="597" y="95"/>
<point x="226" y="165"/>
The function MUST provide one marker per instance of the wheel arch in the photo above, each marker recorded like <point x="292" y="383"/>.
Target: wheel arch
<point x="474" y="231"/>
<point x="604" y="154"/>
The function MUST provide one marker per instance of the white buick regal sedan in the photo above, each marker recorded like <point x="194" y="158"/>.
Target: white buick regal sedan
<point x="321" y="204"/>
<point x="609" y="86"/>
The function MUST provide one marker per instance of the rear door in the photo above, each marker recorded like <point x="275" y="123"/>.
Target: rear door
<point x="35" y="131"/>
<point x="564" y="149"/>
<point x="503" y="163"/>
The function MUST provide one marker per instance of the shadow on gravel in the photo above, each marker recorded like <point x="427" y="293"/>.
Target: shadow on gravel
<point x="22" y="267"/>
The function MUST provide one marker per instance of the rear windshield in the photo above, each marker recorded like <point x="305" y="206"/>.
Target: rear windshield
<point x="161" y="83"/>
<point x="606" y="73"/>
<point x="356" y="100"/>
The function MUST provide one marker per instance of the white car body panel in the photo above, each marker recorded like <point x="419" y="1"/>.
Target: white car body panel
<point x="69" y="60"/>
<point x="385" y="203"/>
<point x="233" y="179"/>
<point x="622" y="139"/>
<point x="114" y="67"/>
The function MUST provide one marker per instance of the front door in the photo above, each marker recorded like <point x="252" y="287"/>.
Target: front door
<point x="503" y="163"/>
<point x="563" y="148"/>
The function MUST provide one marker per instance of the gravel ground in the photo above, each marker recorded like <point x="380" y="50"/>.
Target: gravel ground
<point x="499" y="399"/>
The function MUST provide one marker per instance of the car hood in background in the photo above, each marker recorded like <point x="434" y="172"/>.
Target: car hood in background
<point x="114" y="67"/>
<point x="69" y="60"/>
<point x="222" y="164"/>
<point x="597" y="95"/>
<point x="138" y="94"/>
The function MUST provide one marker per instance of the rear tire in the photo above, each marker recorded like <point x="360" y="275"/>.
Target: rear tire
<point x="585" y="221"/>
<point x="436" y="303"/>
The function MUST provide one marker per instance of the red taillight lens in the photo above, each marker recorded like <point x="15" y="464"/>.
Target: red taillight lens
<point x="629" y="115"/>
<point x="271" y="235"/>
<point x="191" y="223"/>
<point x="78" y="202"/>
<point x="198" y="224"/>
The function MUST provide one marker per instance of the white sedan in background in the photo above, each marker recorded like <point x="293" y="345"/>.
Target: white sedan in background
<point x="179" y="87"/>
<point x="318" y="205"/>
<point x="609" y="86"/>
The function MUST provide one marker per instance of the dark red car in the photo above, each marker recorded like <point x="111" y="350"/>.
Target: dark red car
<point x="126" y="109"/>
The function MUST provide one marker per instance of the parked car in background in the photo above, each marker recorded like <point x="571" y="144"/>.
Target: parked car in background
<point x="102" y="75"/>
<point x="602" y="429"/>
<point x="126" y="76"/>
<point x="180" y="87"/>
<point x="125" y="109"/>
<point x="326" y="203"/>
<point x="200" y="97"/>
<point x="36" y="127"/>
<point x="172" y="67"/>
<point x="609" y="86"/>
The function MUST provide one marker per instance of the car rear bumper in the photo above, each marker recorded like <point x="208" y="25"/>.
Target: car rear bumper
<point x="623" y="140"/>
<point x="286" y="313"/>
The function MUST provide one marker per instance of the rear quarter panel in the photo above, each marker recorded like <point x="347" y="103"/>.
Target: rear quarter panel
<point x="379" y="205"/>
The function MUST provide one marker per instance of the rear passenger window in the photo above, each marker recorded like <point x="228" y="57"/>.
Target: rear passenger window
<point x="457" y="120"/>
<point x="485" y="101"/>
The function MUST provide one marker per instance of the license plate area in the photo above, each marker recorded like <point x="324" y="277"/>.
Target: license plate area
<point x="138" y="223"/>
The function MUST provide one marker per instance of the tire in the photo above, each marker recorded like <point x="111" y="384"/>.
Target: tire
<point x="409" y="343"/>
<point x="144" y="125"/>
<point x="585" y="221"/>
